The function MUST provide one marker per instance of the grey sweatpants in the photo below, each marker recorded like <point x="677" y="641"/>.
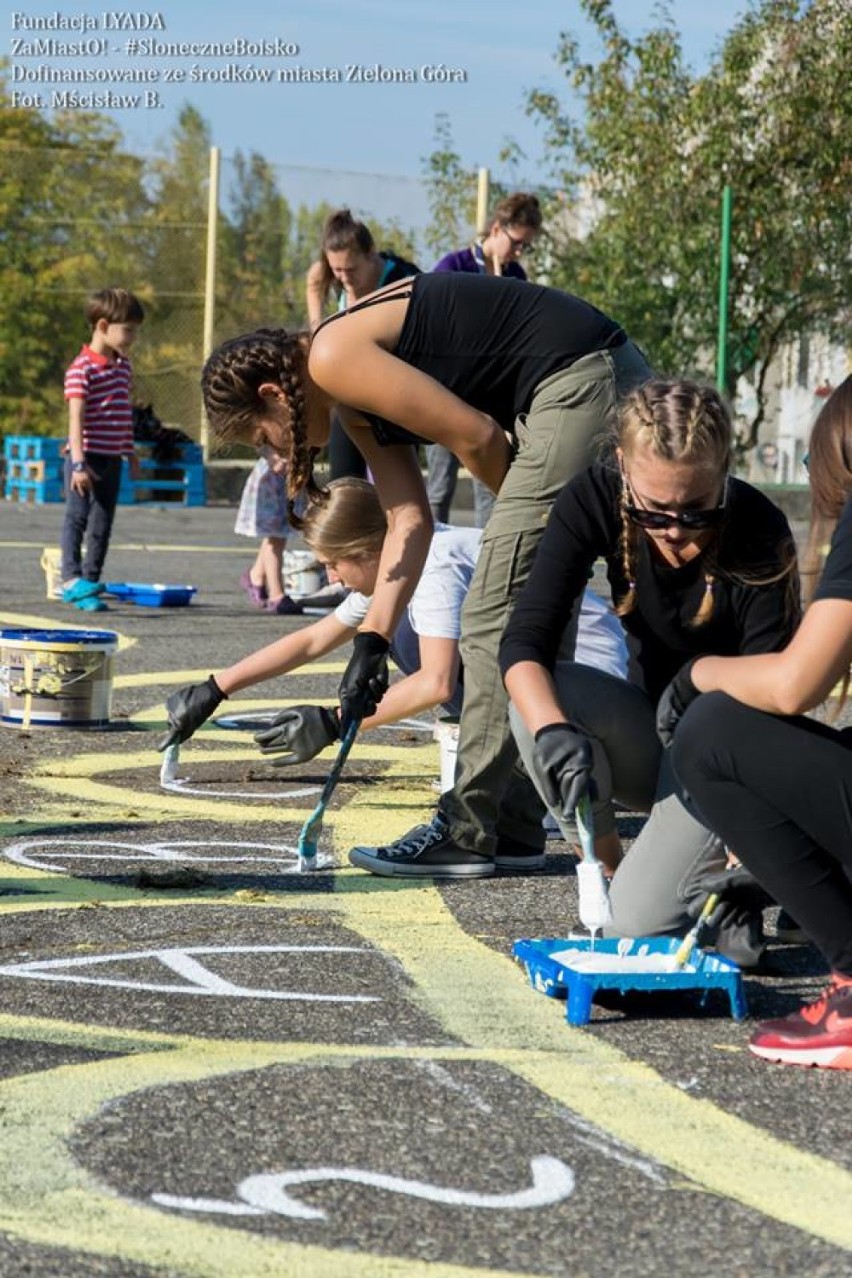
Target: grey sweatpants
<point x="669" y="861"/>
<point x="556" y="439"/>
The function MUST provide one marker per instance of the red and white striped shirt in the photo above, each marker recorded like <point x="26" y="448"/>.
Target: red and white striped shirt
<point x="104" y="384"/>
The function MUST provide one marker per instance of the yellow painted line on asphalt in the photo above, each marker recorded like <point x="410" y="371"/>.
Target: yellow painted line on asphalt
<point x="621" y="1096"/>
<point x="153" y="548"/>
<point x="47" y="1198"/>
<point x="507" y="1022"/>
<point x="415" y="766"/>
<point x="180" y="677"/>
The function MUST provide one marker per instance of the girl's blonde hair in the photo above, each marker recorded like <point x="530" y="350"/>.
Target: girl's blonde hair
<point x="230" y="387"/>
<point x="678" y="421"/>
<point x="348" y="523"/>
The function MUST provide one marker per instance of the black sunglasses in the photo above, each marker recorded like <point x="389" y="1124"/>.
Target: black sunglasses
<point x="693" y="520"/>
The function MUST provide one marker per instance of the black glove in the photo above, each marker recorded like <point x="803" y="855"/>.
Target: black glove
<point x="188" y="709"/>
<point x="298" y="734"/>
<point x="673" y="704"/>
<point x="365" y="679"/>
<point x="562" y="764"/>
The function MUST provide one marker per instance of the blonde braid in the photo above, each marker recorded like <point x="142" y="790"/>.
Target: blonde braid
<point x="627" y="544"/>
<point x="628" y="541"/>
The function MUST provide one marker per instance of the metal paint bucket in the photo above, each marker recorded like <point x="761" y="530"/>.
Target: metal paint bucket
<point x="56" y="678"/>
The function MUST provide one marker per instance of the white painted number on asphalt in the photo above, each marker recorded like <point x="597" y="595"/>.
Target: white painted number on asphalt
<point x="197" y="978"/>
<point x="552" y="1182"/>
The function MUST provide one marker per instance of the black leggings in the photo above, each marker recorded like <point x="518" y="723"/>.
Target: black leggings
<point x="779" y="792"/>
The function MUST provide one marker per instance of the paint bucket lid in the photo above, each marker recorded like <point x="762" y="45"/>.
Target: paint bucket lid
<point x="48" y="637"/>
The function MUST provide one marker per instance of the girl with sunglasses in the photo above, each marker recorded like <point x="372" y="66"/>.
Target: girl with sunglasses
<point x="697" y="562"/>
<point x="777" y="785"/>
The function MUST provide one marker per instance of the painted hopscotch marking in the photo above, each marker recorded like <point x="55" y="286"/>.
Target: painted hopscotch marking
<point x="266" y="1194"/>
<point x="199" y="979"/>
<point x="172" y="851"/>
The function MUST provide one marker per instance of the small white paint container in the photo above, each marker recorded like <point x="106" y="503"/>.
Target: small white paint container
<point x="446" y="733"/>
<point x="302" y="573"/>
<point x="51" y="562"/>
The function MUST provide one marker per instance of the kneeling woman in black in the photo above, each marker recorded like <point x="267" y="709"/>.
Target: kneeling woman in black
<point x="778" y="786"/>
<point x="697" y="561"/>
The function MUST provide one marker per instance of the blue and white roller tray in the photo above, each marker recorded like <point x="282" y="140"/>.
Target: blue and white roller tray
<point x="576" y="968"/>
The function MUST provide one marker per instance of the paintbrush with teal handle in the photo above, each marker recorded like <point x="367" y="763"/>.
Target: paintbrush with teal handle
<point x="308" y="844"/>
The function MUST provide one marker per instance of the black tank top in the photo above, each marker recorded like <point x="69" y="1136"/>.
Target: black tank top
<point x="491" y="341"/>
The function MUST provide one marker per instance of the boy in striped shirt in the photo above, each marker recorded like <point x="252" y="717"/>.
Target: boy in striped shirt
<point x="100" y="433"/>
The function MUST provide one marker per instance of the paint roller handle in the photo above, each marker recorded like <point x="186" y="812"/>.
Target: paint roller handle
<point x="562" y="766"/>
<point x="365" y="679"/>
<point x="188" y="709"/>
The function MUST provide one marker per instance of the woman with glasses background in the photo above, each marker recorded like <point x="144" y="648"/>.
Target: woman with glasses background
<point x="513" y="228"/>
<point x="697" y="562"/>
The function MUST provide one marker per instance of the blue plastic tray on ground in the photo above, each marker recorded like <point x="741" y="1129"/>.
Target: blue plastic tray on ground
<point x="153" y="595"/>
<point x="554" y="977"/>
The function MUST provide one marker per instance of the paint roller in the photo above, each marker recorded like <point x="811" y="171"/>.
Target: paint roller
<point x="592" y="887"/>
<point x="308" y="844"/>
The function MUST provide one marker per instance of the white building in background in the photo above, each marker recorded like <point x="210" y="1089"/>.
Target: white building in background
<point x="800" y="380"/>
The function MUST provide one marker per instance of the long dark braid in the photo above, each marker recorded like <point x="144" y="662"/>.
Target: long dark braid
<point x="230" y="382"/>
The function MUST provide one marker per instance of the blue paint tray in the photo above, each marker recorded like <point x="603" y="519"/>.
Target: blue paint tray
<point x="154" y="595"/>
<point x="549" y="964"/>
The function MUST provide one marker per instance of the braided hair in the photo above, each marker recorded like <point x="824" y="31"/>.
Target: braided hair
<point x="679" y="421"/>
<point x="230" y="387"/>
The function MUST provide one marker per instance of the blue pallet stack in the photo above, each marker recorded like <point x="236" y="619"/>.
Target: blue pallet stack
<point x="34" y="474"/>
<point x="33" y="465"/>
<point x="182" y="480"/>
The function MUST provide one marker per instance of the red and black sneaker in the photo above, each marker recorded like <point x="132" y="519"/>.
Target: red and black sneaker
<point x="820" y="1033"/>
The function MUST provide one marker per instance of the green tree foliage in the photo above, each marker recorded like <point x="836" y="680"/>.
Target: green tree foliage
<point x="59" y="182"/>
<point x="451" y="191"/>
<point x="642" y="171"/>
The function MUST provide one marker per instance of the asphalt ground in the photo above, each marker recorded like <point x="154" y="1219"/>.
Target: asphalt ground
<point x="213" y="1065"/>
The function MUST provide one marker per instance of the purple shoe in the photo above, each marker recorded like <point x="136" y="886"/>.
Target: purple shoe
<point x="257" y="594"/>
<point x="284" y="607"/>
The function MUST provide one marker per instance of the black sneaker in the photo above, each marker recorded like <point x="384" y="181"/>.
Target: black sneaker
<point x="520" y="857"/>
<point x="427" y="851"/>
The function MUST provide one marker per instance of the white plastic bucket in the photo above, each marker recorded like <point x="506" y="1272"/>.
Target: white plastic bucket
<point x="56" y="678"/>
<point x="51" y="562"/>
<point x="303" y="575"/>
<point x="446" y="733"/>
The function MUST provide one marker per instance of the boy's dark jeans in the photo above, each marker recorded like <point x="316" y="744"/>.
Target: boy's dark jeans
<point x="89" y="515"/>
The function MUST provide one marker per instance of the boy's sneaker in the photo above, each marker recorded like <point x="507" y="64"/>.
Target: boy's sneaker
<point x="820" y="1033"/>
<point x="427" y="851"/>
<point x="91" y="603"/>
<point x="81" y="589"/>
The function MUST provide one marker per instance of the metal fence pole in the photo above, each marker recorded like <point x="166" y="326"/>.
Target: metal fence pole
<point x="210" y="277"/>
<point x="482" y="187"/>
